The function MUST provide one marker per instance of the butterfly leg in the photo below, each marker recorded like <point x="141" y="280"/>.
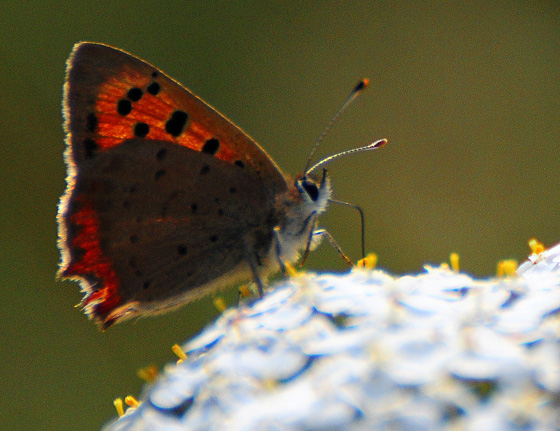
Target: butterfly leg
<point x="279" y="250"/>
<point x="253" y="261"/>
<point x="318" y="234"/>
<point x="311" y="243"/>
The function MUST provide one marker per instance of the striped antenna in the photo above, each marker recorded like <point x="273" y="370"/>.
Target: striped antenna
<point x="361" y="86"/>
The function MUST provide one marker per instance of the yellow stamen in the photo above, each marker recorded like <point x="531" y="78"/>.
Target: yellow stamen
<point x="290" y="270"/>
<point x="536" y="246"/>
<point x="244" y="290"/>
<point x="148" y="374"/>
<point x="119" y="406"/>
<point x="368" y="262"/>
<point x="220" y="304"/>
<point x="270" y="384"/>
<point x="454" y="260"/>
<point x="178" y="350"/>
<point x="131" y="401"/>
<point x="506" y="267"/>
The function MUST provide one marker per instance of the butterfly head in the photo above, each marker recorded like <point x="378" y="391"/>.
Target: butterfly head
<point x="315" y="194"/>
<point x="307" y="199"/>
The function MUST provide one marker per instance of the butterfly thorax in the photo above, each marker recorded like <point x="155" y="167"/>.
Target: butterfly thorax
<point x="299" y="210"/>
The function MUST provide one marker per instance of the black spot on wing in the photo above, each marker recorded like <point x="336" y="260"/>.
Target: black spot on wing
<point x="176" y="123"/>
<point x="90" y="147"/>
<point x="91" y="122"/>
<point x="160" y="173"/>
<point x="211" y="146"/>
<point x="160" y="155"/>
<point x="141" y="130"/>
<point x="124" y="107"/>
<point x="154" y="88"/>
<point x="135" y="94"/>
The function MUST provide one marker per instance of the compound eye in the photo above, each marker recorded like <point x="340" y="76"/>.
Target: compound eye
<point x="311" y="189"/>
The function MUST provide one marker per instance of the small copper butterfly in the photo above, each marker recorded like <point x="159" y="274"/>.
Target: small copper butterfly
<point x="167" y="200"/>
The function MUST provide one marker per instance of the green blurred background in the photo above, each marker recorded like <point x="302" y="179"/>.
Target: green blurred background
<point x="466" y="93"/>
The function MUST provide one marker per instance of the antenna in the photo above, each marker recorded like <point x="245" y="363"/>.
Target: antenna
<point x="373" y="146"/>
<point x="360" y="86"/>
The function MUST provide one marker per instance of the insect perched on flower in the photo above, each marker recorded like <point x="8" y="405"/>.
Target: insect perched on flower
<point x="167" y="200"/>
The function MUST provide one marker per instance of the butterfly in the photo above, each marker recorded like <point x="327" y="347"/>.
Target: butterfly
<point x="167" y="200"/>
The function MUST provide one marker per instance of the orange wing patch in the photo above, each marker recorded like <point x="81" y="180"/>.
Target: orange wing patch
<point x="93" y="261"/>
<point x="133" y="105"/>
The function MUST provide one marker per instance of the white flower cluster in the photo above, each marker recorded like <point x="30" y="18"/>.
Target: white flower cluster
<point x="368" y="351"/>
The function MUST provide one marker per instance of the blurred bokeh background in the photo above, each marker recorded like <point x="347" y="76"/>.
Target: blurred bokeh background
<point x="466" y="92"/>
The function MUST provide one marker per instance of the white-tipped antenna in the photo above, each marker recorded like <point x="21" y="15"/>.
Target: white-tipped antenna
<point x="362" y="85"/>
<point x="373" y="146"/>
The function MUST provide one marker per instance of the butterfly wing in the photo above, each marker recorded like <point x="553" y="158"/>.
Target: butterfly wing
<point x="111" y="96"/>
<point x="165" y="195"/>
